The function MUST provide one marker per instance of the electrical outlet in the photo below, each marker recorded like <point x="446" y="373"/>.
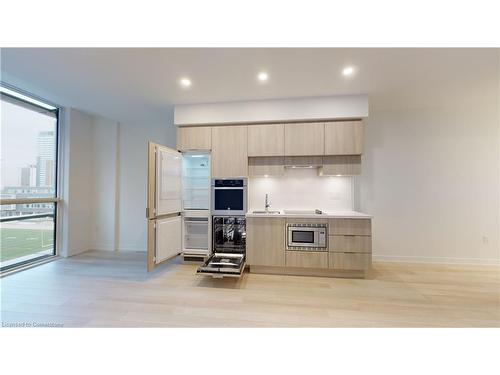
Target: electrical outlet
<point x="485" y="240"/>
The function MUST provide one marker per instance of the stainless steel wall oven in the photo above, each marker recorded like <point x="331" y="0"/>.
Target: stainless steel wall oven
<point x="229" y="196"/>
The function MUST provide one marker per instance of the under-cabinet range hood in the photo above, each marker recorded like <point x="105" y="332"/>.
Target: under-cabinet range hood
<point x="306" y="162"/>
<point x="298" y="166"/>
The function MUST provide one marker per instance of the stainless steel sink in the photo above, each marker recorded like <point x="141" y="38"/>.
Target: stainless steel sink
<point x="266" y="212"/>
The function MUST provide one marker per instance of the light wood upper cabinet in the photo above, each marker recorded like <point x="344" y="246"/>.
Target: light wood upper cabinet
<point x="305" y="139"/>
<point x="229" y="151"/>
<point x="266" y="140"/>
<point x="344" y="138"/>
<point x="194" y="138"/>
<point x="266" y="242"/>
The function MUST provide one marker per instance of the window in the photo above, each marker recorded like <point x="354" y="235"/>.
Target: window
<point x="28" y="188"/>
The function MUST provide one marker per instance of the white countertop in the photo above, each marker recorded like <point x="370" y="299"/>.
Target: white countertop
<point x="324" y="215"/>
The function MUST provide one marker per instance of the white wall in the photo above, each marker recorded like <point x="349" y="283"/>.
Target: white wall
<point x="77" y="182"/>
<point x="133" y="142"/>
<point x="431" y="177"/>
<point x="105" y="180"/>
<point x="296" y="109"/>
<point x="301" y="189"/>
<point x="88" y="182"/>
<point x="104" y="184"/>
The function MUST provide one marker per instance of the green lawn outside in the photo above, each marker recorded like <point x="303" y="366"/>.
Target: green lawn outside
<point x="20" y="242"/>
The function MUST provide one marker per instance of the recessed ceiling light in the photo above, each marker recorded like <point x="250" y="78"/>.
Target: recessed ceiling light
<point x="185" y="82"/>
<point x="263" y="76"/>
<point x="348" y="71"/>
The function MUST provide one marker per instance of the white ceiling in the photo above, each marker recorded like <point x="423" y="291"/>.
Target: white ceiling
<point x="141" y="84"/>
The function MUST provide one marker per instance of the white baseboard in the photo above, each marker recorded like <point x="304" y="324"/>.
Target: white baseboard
<point x="438" y="260"/>
<point x="121" y="248"/>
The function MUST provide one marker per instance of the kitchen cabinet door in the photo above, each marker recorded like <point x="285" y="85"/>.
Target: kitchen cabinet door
<point x="194" y="138"/>
<point x="350" y="244"/>
<point x="229" y="151"/>
<point x="350" y="227"/>
<point x="349" y="261"/>
<point x="307" y="259"/>
<point x="265" y="241"/>
<point x="168" y="238"/>
<point x="305" y="139"/>
<point x="344" y="138"/>
<point x="266" y="140"/>
<point x="164" y="204"/>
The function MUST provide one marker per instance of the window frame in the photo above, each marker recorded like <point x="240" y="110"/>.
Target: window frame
<point x="23" y="100"/>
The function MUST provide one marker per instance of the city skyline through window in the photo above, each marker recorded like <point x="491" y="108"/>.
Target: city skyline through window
<point x="28" y="141"/>
<point x="28" y="166"/>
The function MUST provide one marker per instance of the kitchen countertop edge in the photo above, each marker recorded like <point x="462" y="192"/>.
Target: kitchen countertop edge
<point x="326" y="215"/>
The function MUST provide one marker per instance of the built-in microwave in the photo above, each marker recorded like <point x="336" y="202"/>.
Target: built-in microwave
<point x="307" y="237"/>
<point x="229" y="196"/>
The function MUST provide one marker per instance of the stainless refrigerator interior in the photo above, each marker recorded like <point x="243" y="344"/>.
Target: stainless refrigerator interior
<point x="196" y="228"/>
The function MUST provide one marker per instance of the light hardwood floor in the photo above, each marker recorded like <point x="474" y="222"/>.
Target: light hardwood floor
<point x="110" y="289"/>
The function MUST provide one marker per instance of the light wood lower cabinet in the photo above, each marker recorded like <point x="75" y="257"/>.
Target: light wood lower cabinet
<point x="351" y="244"/>
<point x="349" y="261"/>
<point x="348" y="255"/>
<point x="306" y="259"/>
<point x="265" y="242"/>
<point x="360" y="227"/>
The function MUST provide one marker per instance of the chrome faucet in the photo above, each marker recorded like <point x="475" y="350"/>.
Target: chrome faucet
<point x="267" y="204"/>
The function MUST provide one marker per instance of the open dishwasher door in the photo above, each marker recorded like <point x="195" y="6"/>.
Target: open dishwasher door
<point x="229" y="244"/>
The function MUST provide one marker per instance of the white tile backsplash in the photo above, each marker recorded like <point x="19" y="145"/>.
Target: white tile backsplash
<point x="301" y="189"/>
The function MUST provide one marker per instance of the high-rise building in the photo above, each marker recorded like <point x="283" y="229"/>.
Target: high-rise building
<point x="46" y="152"/>
<point x="29" y="176"/>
